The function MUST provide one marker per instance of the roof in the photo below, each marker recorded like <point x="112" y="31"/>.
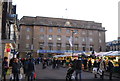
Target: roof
<point x="59" y="22"/>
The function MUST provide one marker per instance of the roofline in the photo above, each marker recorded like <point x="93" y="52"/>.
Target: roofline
<point x="62" y="27"/>
<point x="60" y="18"/>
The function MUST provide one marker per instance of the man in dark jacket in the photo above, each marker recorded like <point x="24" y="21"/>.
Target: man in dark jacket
<point x="31" y="70"/>
<point x="53" y="63"/>
<point x="85" y="64"/>
<point x="16" y="69"/>
<point x="110" y="69"/>
<point x="25" y="67"/>
<point x="78" y="68"/>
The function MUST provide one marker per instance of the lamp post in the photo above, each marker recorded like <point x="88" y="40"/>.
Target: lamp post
<point x="73" y="32"/>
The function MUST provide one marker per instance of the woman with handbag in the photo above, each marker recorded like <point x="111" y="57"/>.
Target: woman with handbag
<point x="102" y="68"/>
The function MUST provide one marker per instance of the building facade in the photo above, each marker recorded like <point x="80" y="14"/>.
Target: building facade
<point x="113" y="45"/>
<point x="45" y="35"/>
<point x="8" y="28"/>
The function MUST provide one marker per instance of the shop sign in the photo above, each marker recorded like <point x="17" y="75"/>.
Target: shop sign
<point x="57" y="51"/>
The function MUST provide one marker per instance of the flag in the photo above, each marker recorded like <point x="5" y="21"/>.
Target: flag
<point x="70" y="41"/>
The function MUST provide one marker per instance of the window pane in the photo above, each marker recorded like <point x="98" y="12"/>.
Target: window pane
<point x="41" y="36"/>
<point x="67" y="46"/>
<point x="50" y="29"/>
<point x="76" y="31"/>
<point x="58" y="46"/>
<point x="27" y="37"/>
<point x="68" y="30"/>
<point x="99" y="34"/>
<point x="100" y="40"/>
<point x="91" y="48"/>
<point x="28" y="29"/>
<point x="41" y="45"/>
<point x="83" y="39"/>
<point x="76" y="38"/>
<point x="90" y="39"/>
<point x="90" y="32"/>
<point x="50" y="37"/>
<point x="58" y="37"/>
<point x="59" y="30"/>
<point x="84" y="48"/>
<point x="27" y="46"/>
<point x="76" y="46"/>
<point x="83" y="32"/>
<point x="50" y="45"/>
<point x="42" y="29"/>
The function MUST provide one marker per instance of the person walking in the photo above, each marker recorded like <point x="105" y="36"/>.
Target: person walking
<point x="57" y="63"/>
<point x="53" y="63"/>
<point x="11" y="62"/>
<point x="16" y="69"/>
<point x="25" y="66"/>
<point x="85" y="64"/>
<point x="102" y="68"/>
<point x="78" y="68"/>
<point x="69" y="72"/>
<point x="4" y="68"/>
<point x="89" y="65"/>
<point x="110" y="69"/>
<point x="44" y="63"/>
<point x="95" y="68"/>
<point x="30" y="70"/>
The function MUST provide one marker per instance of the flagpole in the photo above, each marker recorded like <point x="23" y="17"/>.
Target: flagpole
<point x="72" y="43"/>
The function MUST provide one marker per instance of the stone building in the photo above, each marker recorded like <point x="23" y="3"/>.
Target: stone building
<point x="47" y="35"/>
<point x="113" y="45"/>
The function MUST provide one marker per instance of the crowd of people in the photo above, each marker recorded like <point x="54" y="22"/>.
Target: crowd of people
<point x="76" y="66"/>
<point x="98" y="67"/>
<point x="15" y="65"/>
